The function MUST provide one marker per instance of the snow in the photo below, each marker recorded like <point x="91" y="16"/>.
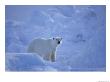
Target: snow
<point x="83" y="29"/>
<point x="26" y="62"/>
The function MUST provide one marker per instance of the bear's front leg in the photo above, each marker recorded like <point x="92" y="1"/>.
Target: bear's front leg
<point x="53" y="57"/>
<point x="47" y="57"/>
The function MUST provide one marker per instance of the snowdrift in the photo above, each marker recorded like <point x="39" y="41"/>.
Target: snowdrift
<point x="26" y="62"/>
<point x="33" y="62"/>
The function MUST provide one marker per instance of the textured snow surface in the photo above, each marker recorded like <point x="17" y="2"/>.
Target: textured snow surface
<point x="83" y="29"/>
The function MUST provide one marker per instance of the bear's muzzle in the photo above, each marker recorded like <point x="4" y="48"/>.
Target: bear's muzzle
<point x="58" y="42"/>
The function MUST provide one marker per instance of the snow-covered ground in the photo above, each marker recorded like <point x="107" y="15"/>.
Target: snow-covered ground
<point x="83" y="29"/>
<point x="26" y="62"/>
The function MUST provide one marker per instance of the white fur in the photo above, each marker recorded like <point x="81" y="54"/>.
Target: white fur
<point x="45" y="48"/>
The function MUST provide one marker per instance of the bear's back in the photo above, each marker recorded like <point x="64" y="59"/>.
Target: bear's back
<point x="40" y="46"/>
<point x="39" y="41"/>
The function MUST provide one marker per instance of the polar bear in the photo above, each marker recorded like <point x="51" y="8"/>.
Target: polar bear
<point x="46" y="48"/>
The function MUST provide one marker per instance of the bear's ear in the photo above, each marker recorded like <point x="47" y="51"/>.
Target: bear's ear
<point x="60" y="39"/>
<point x="53" y="38"/>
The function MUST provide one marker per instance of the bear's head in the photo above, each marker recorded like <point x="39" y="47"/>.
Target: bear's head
<point x="57" y="39"/>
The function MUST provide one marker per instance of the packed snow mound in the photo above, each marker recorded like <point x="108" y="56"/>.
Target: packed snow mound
<point x="26" y="62"/>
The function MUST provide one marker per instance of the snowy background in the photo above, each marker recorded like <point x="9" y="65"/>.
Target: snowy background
<point x="83" y="29"/>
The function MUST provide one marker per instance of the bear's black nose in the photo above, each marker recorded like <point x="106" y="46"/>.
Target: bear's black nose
<point x="58" y="42"/>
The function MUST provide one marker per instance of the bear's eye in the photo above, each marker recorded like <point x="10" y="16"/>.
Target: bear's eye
<point x="57" y="39"/>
